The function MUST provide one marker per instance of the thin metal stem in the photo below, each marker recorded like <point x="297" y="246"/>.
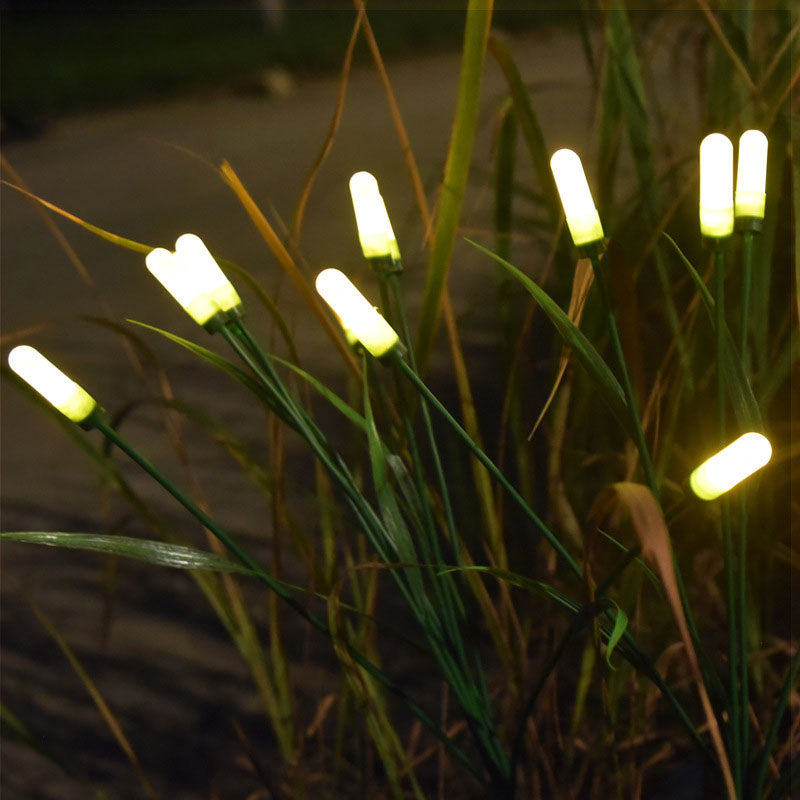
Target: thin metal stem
<point x="490" y="465"/>
<point x="727" y="540"/>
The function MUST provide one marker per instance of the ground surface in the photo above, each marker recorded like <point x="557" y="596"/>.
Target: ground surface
<point x="166" y="667"/>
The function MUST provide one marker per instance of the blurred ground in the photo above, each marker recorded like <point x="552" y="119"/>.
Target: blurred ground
<point x="167" y="668"/>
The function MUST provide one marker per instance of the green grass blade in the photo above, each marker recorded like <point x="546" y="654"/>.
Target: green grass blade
<point x="148" y="550"/>
<point x="459" y="155"/>
<point x="604" y="380"/>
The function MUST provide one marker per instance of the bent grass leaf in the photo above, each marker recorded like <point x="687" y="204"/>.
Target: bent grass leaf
<point x="638" y="503"/>
<point x="581" y="283"/>
<point x="148" y="550"/>
<point x="607" y="385"/>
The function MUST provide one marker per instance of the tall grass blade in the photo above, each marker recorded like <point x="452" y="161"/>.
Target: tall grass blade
<point x="631" y="96"/>
<point x="105" y="711"/>
<point x="459" y="155"/>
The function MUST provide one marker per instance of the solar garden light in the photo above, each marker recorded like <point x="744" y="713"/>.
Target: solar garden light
<point x="378" y="242"/>
<point x="50" y="382"/>
<point x="730" y="466"/>
<point x="586" y="230"/>
<point x="716" y="188"/>
<point x="751" y="181"/>
<point x="357" y="314"/>
<point x="583" y="220"/>
<point x="195" y="281"/>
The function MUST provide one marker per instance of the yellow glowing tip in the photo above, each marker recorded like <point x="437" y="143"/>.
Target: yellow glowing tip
<point x="204" y="269"/>
<point x="751" y="175"/>
<point x="730" y="466"/>
<point x="59" y="390"/>
<point x="716" y="186"/>
<point x="173" y="274"/>
<point x="576" y="198"/>
<point x="374" y="227"/>
<point x="356" y="312"/>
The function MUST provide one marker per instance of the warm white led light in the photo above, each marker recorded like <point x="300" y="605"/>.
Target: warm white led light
<point x="173" y="274"/>
<point x="751" y="175"/>
<point x="210" y="279"/>
<point x="356" y="312"/>
<point x="582" y="217"/>
<point x="716" y="186"/>
<point x="374" y="227"/>
<point x="59" y="390"/>
<point x="730" y="466"/>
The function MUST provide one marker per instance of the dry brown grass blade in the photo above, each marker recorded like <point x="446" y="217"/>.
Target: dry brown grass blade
<point x="297" y="220"/>
<point x="636" y="501"/>
<point x="397" y="120"/>
<point x="287" y="264"/>
<point x="108" y="715"/>
<point x="581" y="283"/>
<point x="726" y="45"/>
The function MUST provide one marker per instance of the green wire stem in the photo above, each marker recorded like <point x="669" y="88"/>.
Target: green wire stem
<point x="727" y="539"/>
<point x="748" y="242"/>
<point x="490" y="465"/>
<point x="98" y="421"/>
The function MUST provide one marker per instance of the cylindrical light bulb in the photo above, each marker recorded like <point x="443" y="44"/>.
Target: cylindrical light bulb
<point x="173" y="274"/>
<point x="716" y="186"/>
<point x="573" y="188"/>
<point x="59" y="390"/>
<point x="356" y="312"/>
<point x="374" y="227"/>
<point x="205" y="270"/>
<point x="730" y="466"/>
<point x="751" y="175"/>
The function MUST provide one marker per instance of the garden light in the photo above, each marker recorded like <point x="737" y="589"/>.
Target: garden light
<point x="205" y="270"/>
<point x="176" y="277"/>
<point x="751" y="176"/>
<point x="582" y="217"/>
<point x="356" y="313"/>
<point x="716" y="186"/>
<point x="730" y="466"/>
<point x="374" y="227"/>
<point x="59" y="390"/>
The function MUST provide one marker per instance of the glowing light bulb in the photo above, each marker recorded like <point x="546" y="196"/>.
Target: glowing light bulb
<point x="210" y="279"/>
<point x="356" y="312"/>
<point x="59" y="390"/>
<point x="374" y="227"/>
<point x="716" y="186"/>
<point x="751" y="175"/>
<point x="582" y="217"/>
<point x="173" y="274"/>
<point x="730" y="466"/>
